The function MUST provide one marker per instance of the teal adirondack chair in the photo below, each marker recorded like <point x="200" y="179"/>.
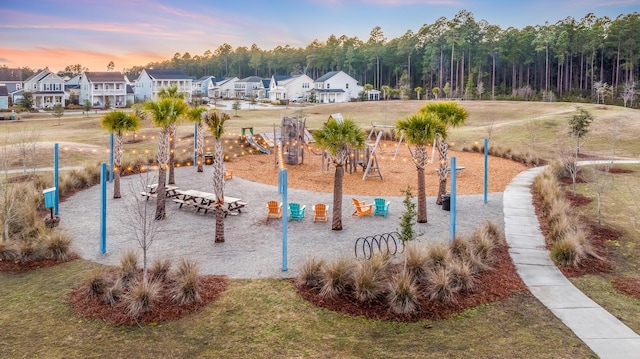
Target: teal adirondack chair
<point x="296" y="211"/>
<point x="382" y="207"/>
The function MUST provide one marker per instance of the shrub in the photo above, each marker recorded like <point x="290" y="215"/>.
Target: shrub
<point x="416" y="262"/>
<point x="8" y="251"/>
<point x="160" y="269"/>
<point x="403" y="295"/>
<point x="461" y="275"/>
<point x="440" y="286"/>
<point x="30" y="250"/>
<point x="494" y="233"/>
<point x="115" y="292"/>
<point x="437" y="254"/>
<point x="311" y="273"/>
<point x="463" y="250"/>
<point x="58" y="245"/>
<point x="483" y="247"/>
<point x="141" y="297"/>
<point x="559" y="226"/>
<point x="129" y="264"/>
<point x="188" y="283"/>
<point x="96" y="284"/>
<point x="336" y="278"/>
<point x="369" y="283"/>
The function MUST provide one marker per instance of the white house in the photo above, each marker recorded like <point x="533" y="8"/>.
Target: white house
<point x="47" y="89"/>
<point x="200" y="87"/>
<point x="151" y="81"/>
<point x="222" y="88"/>
<point x="247" y="86"/>
<point x="336" y="86"/>
<point x="100" y="87"/>
<point x="289" y="87"/>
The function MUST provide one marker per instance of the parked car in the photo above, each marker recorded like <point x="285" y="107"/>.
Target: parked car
<point x="298" y="99"/>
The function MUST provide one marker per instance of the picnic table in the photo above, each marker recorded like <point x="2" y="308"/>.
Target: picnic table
<point x="459" y="170"/>
<point x="152" y="191"/>
<point x="206" y="201"/>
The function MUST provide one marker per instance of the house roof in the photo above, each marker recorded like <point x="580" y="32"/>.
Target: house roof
<point x="204" y="78"/>
<point x="7" y="74"/>
<point x="38" y="77"/>
<point x="328" y="90"/>
<point x="327" y="76"/>
<point x="129" y="89"/>
<point x="3" y="91"/>
<point x="104" y="76"/>
<point x="166" y="74"/>
<point x="251" y="79"/>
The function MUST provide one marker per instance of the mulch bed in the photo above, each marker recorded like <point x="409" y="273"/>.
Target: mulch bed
<point x="165" y="309"/>
<point x="491" y="286"/>
<point x="18" y="266"/>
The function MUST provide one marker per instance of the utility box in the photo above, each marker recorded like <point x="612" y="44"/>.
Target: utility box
<point x="49" y="197"/>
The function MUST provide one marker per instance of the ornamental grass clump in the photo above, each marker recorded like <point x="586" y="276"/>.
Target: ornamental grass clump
<point x="483" y="247"/>
<point x="416" y="262"/>
<point x="336" y="278"/>
<point x="96" y="284"/>
<point x="403" y="295"/>
<point x="368" y="282"/>
<point x="461" y="275"/>
<point x="187" y="283"/>
<point x="58" y="245"/>
<point x="8" y="251"/>
<point x="141" y="297"/>
<point x="160" y="269"/>
<point x="311" y="273"/>
<point x="437" y="254"/>
<point x="440" y="286"/>
<point x="129" y="265"/>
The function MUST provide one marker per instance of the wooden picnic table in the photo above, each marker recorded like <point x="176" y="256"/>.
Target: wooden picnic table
<point x="152" y="191"/>
<point x="206" y="201"/>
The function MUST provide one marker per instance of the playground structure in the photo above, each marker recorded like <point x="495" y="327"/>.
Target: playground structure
<point x="252" y="141"/>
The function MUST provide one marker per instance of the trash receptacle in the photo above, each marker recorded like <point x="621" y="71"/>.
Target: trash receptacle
<point x="446" y="202"/>
<point x="208" y="158"/>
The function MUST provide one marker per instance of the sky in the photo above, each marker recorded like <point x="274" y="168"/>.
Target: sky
<point x="58" y="33"/>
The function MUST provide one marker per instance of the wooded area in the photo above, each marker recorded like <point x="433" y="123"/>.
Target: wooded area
<point x="592" y="59"/>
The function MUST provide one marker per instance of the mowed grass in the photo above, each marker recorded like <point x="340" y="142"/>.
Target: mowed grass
<point x="620" y="209"/>
<point x="265" y="318"/>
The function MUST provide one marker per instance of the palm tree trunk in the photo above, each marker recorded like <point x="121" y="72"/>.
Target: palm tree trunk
<point x="163" y="156"/>
<point x="336" y="223"/>
<point x="172" y="147"/>
<point x="117" y="162"/>
<point x="443" y="153"/>
<point x="422" y="196"/>
<point x="200" y="146"/>
<point x="218" y="189"/>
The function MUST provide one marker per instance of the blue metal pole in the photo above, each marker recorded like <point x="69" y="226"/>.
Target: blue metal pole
<point x="55" y="178"/>
<point x="195" y="144"/>
<point x="285" y="216"/>
<point x="111" y="158"/>
<point x="453" y="198"/>
<point x="103" y="208"/>
<point x="486" y="168"/>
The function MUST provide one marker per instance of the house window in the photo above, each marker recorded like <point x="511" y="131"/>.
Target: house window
<point x="18" y="86"/>
<point x="305" y="85"/>
<point x="346" y="86"/>
<point x="47" y="87"/>
<point x="328" y="85"/>
<point x="95" y="87"/>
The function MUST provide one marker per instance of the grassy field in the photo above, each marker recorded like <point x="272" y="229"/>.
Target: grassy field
<point x="266" y="318"/>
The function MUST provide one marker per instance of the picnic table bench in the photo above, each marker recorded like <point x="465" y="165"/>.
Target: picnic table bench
<point x="152" y="191"/>
<point x="205" y="200"/>
<point x="459" y="170"/>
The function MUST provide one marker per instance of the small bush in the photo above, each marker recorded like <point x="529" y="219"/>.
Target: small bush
<point x="494" y="233"/>
<point x="8" y="251"/>
<point x="440" y="286"/>
<point x="129" y="264"/>
<point x="403" y="295"/>
<point x="437" y="254"/>
<point x="311" y="273"/>
<point x="559" y="227"/>
<point x="141" y="297"/>
<point x="483" y="247"/>
<point x="30" y="250"/>
<point x="336" y="278"/>
<point x="58" y="245"/>
<point x="96" y="284"/>
<point x="463" y="250"/>
<point x="188" y="283"/>
<point x="461" y="275"/>
<point x="115" y="293"/>
<point x="416" y="262"/>
<point x="160" y="269"/>
<point x="369" y="283"/>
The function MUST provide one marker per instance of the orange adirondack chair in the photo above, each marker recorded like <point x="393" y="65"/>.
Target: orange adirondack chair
<point x="228" y="175"/>
<point x="362" y="208"/>
<point x="320" y="213"/>
<point x="275" y="210"/>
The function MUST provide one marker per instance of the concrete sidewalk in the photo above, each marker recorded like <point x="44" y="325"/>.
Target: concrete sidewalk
<point x="602" y="332"/>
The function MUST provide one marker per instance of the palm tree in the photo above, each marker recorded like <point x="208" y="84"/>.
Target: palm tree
<point x="338" y="137"/>
<point x="215" y="121"/>
<point x="163" y="112"/>
<point x="171" y="92"/>
<point x="194" y="114"/>
<point x="420" y="130"/>
<point x="451" y="115"/>
<point x="119" y="122"/>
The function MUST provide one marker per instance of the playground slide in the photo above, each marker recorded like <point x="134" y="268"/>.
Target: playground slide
<point x="249" y="137"/>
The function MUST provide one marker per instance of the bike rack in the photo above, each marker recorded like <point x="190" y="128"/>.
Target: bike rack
<point x="387" y="242"/>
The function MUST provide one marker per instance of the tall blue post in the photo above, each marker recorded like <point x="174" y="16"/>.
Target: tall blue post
<point x="103" y="208"/>
<point x="282" y="188"/>
<point x="486" y="168"/>
<point x="195" y="144"/>
<point x="111" y="158"/>
<point x="453" y="198"/>
<point x="55" y="178"/>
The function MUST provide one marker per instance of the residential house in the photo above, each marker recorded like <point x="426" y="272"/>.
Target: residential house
<point x="336" y="86"/>
<point x="102" y="87"/>
<point x="47" y="89"/>
<point x="4" y="97"/>
<point x="222" y="88"/>
<point x="289" y="87"/>
<point x="247" y="86"/>
<point x="152" y="81"/>
<point x="200" y="87"/>
<point x="72" y="90"/>
<point x="12" y="80"/>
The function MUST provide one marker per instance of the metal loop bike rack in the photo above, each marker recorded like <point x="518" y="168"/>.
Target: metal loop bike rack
<point x="383" y="243"/>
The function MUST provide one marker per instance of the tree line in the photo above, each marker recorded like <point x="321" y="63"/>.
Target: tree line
<point x="591" y="59"/>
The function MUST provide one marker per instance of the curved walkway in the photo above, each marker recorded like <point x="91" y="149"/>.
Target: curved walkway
<point x="602" y="332"/>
